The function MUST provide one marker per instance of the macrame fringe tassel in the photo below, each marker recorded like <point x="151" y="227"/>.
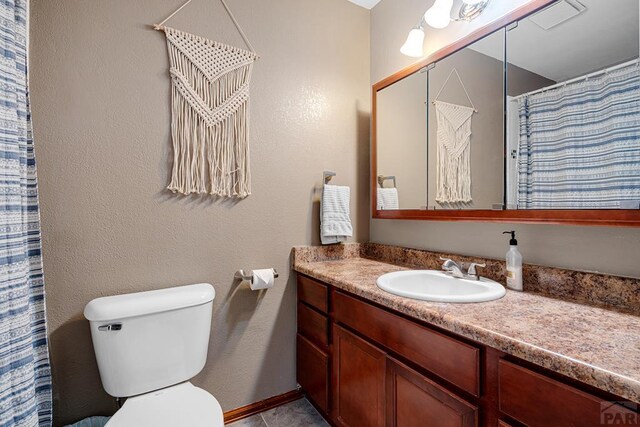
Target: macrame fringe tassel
<point x="454" y="179"/>
<point x="210" y="159"/>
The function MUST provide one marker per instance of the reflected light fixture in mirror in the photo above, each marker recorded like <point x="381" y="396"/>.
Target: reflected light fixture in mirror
<point x="414" y="45"/>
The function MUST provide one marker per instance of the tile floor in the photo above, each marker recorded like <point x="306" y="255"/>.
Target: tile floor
<point x="299" y="413"/>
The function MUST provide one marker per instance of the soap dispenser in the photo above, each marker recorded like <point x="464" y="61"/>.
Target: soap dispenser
<point x="514" y="264"/>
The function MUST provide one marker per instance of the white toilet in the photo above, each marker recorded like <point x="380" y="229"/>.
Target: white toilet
<point x="148" y="345"/>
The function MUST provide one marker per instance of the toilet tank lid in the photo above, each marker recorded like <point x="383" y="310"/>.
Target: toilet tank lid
<point x="149" y="302"/>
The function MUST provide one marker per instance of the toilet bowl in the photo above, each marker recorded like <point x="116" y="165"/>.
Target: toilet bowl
<point x="178" y="405"/>
<point x="148" y="346"/>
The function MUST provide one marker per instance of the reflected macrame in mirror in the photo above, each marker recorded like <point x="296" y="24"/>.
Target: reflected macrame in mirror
<point x="466" y="130"/>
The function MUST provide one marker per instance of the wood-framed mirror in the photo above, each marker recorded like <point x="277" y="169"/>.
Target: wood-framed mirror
<point x="523" y="120"/>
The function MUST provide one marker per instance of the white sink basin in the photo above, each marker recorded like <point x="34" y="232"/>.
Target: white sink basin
<point x="432" y="285"/>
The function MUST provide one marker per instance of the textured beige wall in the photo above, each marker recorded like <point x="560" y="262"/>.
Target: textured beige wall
<point x="100" y="96"/>
<point x="606" y="249"/>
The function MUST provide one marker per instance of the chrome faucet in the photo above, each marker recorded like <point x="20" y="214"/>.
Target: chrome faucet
<point x="451" y="267"/>
<point x="456" y="270"/>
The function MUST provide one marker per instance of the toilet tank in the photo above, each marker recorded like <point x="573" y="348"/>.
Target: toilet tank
<point x="149" y="340"/>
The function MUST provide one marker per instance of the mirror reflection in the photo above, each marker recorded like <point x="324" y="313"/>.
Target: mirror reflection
<point x="573" y="127"/>
<point x="440" y="133"/>
<point x="559" y="130"/>
<point x="466" y="130"/>
<point x="402" y="144"/>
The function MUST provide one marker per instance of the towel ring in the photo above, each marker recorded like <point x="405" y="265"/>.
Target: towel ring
<point x="382" y="179"/>
<point x="326" y="176"/>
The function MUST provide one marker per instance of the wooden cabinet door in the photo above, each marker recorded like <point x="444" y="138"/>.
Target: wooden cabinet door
<point x="358" y="381"/>
<point x="413" y="400"/>
<point x="312" y="372"/>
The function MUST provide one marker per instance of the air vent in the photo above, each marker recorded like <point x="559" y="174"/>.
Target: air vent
<point x="557" y="13"/>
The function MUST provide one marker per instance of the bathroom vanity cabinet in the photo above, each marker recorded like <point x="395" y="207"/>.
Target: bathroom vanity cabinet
<point x="364" y="365"/>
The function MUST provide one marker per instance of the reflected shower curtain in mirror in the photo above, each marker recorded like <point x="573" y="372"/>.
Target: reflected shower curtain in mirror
<point x="25" y="374"/>
<point x="579" y="144"/>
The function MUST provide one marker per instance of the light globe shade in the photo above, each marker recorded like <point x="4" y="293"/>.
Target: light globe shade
<point x="414" y="45"/>
<point x="439" y="15"/>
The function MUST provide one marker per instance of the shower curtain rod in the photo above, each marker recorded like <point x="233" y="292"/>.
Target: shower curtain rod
<point x="577" y="79"/>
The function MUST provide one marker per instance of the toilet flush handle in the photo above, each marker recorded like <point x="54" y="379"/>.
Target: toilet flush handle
<point x="110" y="327"/>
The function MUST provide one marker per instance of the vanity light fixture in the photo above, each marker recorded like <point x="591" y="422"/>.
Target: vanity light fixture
<point x="415" y="40"/>
<point x="439" y="16"/>
<point x="471" y="9"/>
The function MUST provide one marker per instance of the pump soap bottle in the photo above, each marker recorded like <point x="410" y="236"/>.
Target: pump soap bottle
<point x="514" y="264"/>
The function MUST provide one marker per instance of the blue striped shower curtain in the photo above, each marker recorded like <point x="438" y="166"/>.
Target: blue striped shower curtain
<point x="25" y="374"/>
<point x="580" y="144"/>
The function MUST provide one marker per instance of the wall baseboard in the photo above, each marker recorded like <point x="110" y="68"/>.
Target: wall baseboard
<point x="263" y="405"/>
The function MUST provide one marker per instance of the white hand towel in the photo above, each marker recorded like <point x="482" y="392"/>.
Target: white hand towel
<point x="387" y="198"/>
<point x="335" y="224"/>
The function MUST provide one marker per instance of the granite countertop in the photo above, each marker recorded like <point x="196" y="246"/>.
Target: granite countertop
<point x="598" y="346"/>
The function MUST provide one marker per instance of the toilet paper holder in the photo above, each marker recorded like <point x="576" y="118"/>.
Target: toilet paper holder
<point x="242" y="275"/>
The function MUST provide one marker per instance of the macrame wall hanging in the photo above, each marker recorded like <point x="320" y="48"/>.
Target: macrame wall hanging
<point x="453" y="148"/>
<point x="209" y="112"/>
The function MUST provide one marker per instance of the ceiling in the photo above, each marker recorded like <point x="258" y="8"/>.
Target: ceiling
<point x="605" y="34"/>
<point x="368" y="4"/>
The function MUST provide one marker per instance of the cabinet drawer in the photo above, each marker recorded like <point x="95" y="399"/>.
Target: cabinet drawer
<point x="313" y="325"/>
<point x="450" y="359"/>
<point x="537" y="400"/>
<point x="313" y="293"/>
<point x="312" y="371"/>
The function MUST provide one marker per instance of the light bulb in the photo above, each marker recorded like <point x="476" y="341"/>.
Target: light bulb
<point x="414" y="44"/>
<point x="439" y="15"/>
